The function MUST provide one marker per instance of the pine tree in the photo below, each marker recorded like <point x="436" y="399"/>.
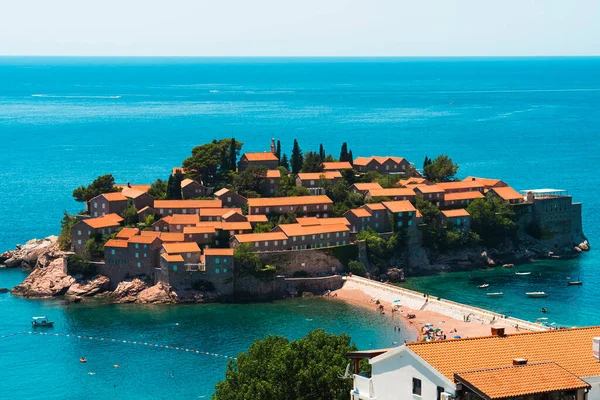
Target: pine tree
<point x="322" y="154"/>
<point x="297" y="159"/>
<point x="284" y="162"/>
<point x="344" y="152"/>
<point x="278" y="151"/>
<point x="232" y="155"/>
<point x="350" y="158"/>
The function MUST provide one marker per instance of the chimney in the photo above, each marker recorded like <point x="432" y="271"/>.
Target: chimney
<point x="497" y="331"/>
<point x="519" y="361"/>
<point x="596" y="347"/>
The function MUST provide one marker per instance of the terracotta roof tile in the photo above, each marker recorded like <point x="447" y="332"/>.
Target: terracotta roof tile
<point x="361" y="187"/>
<point x="273" y="174"/>
<point x="218" y="212"/>
<point x="260" y="237"/>
<point x="105" y="221"/>
<point x="521" y="380"/>
<point x="116" y="243"/>
<point x="507" y="193"/>
<point x="172" y="257"/>
<point x="399" y="206"/>
<point x="126" y="233"/>
<point x="413" y="180"/>
<point x="474" y="194"/>
<point x="264" y="156"/>
<point x="427" y="189"/>
<point x="569" y="348"/>
<point x="288" y="201"/>
<point x="359" y="212"/>
<point x="319" y="175"/>
<point x="185" y="247"/>
<point x="169" y="237"/>
<point x="393" y="192"/>
<point x="141" y="187"/>
<point x="218" y="252"/>
<point x="187" y="204"/>
<point x="198" y="230"/>
<point x="141" y="239"/>
<point x="461" y="212"/>
<point x="336" y="165"/>
<point x="113" y="196"/>
<point x="257" y="218"/>
<point x="374" y="207"/>
<point x="132" y="193"/>
<point x="147" y="208"/>
<point x="308" y="221"/>
<point x="299" y="230"/>
<point x="184" y="219"/>
<point x="487" y="182"/>
<point x="221" y="192"/>
<point x="460" y="185"/>
<point x="150" y="233"/>
<point x="236" y="226"/>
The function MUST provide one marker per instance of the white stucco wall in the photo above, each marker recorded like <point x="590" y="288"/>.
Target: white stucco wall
<point x="594" y="393"/>
<point x="392" y="378"/>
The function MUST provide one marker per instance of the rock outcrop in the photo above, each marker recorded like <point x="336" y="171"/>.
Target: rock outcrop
<point x="89" y="288"/>
<point x="26" y="256"/>
<point x="46" y="281"/>
<point x="127" y="291"/>
<point x="161" y="293"/>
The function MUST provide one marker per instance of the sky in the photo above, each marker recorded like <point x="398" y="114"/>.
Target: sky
<point x="300" y="27"/>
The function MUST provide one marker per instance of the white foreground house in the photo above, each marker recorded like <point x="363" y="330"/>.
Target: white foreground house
<point x="550" y="365"/>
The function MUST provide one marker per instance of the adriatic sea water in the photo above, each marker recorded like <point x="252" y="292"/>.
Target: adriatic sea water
<point x="533" y="122"/>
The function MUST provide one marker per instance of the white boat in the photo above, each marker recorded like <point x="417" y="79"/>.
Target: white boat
<point x="496" y="294"/>
<point x="537" y="294"/>
<point x="483" y="286"/>
<point x="522" y="273"/>
<point x="41" y="321"/>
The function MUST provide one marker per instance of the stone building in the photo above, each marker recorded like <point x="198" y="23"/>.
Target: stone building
<point x="88" y="228"/>
<point x="107" y="203"/>
<point x="190" y="189"/>
<point x="266" y="159"/>
<point x="301" y="206"/>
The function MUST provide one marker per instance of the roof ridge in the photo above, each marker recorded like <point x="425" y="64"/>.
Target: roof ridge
<point x="509" y="367"/>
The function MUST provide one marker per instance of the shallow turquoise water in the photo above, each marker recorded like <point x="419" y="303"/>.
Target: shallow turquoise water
<point x="31" y="362"/>
<point x="531" y="122"/>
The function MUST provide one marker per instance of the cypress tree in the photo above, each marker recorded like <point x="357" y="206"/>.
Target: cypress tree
<point x="284" y="162"/>
<point x="350" y="158"/>
<point x="322" y="152"/>
<point x="297" y="159"/>
<point x="278" y="151"/>
<point x="232" y="155"/>
<point x="344" y="152"/>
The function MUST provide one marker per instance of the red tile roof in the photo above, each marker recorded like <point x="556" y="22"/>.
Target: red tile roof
<point x="336" y="165"/>
<point x="218" y="252"/>
<point x="319" y="175"/>
<point x="257" y="218"/>
<point x="273" y="174"/>
<point x="171" y="237"/>
<point x="141" y="188"/>
<point x="187" y="204"/>
<point x="393" y="192"/>
<point x="428" y="189"/>
<point x="198" y="230"/>
<point x="260" y="237"/>
<point x="299" y="230"/>
<point x="399" y="206"/>
<point x="361" y="187"/>
<point x="236" y="226"/>
<point x="507" y="193"/>
<point x="113" y="196"/>
<point x="116" y="243"/>
<point x="359" y="212"/>
<point x="172" y="257"/>
<point x="105" y="221"/>
<point x="185" y="247"/>
<point x="131" y="193"/>
<point x="461" y="212"/>
<point x="218" y="212"/>
<point x="474" y="194"/>
<point x="264" y="156"/>
<point x="308" y="221"/>
<point x="186" y="182"/>
<point x="141" y="239"/>
<point x="126" y="233"/>
<point x="184" y="219"/>
<point x="487" y="182"/>
<point x="288" y="201"/>
<point x="460" y="185"/>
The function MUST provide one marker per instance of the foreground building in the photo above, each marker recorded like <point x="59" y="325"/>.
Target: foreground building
<point x="549" y="365"/>
<point x="318" y="206"/>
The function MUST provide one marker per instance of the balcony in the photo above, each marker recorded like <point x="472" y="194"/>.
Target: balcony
<point x="195" y="267"/>
<point x="363" y="388"/>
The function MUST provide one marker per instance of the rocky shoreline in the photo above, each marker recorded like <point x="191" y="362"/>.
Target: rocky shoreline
<point x="49" y="279"/>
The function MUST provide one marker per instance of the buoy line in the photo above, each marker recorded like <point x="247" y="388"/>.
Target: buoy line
<point x="107" y="339"/>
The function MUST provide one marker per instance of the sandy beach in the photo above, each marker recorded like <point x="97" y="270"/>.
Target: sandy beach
<point x="448" y="326"/>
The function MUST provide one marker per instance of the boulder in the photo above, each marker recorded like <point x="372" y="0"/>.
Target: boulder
<point x="4" y="290"/>
<point x="395" y="274"/>
<point x="46" y="281"/>
<point x="508" y="266"/>
<point x="161" y="293"/>
<point x="585" y="246"/>
<point x="26" y="256"/>
<point x="127" y="291"/>
<point x="89" y="288"/>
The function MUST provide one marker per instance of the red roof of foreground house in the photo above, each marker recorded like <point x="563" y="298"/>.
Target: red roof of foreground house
<point x="273" y="174"/>
<point x="187" y="203"/>
<point x="105" y="221"/>
<point x="399" y="206"/>
<point x="507" y="193"/>
<point x="184" y="219"/>
<point x="218" y="252"/>
<point x="113" y="196"/>
<point x="359" y="212"/>
<point x="141" y="239"/>
<point x="413" y="180"/>
<point x="257" y="218"/>
<point x="186" y="182"/>
<point x="264" y="156"/>
<point x="463" y="196"/>
<point x="288" y="201"/>
<point x="236" y="226"/>
<point x="461" y="212"/>
<point x="363" y="161"/>
<point x="116" y="243"/>
<point x="171" y="236"/>
<point x="260" y="237"/>
<point x="308" y="221"/>
<point x="299" y="230"/>
<point x="367" y="186"/>
<point x="132" y="193"/>
<point x="373" y="207"/>
<point x="198" y="229"/>
<point x="428" y="189"/>
<point x="218" y="212"/>
<point x="319" y="175"/>
<point x="461" y="185"/>
<point x="185" y="247"/>
<point x="172" y="257"/>
<point x="141" y="187"/>
<point x="487" y="182"/>
<point x="336" y="165"/>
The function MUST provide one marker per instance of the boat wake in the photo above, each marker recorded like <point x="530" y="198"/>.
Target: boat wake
<point x="52" y="96"/>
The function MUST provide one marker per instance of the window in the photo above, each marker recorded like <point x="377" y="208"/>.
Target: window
<point x="440" y="390"/>
<point x="137" y="246"/>
<point x="285" y="242"/>
<point x="79" y="233"/>
<point x="103" y="205"/>
<point x="217" y="260"/>
<point x="305" y="208"/>
<point x="112" y="251"/>
<point x="216" y="270"/>
<point x="325" y="207"/>
<point x="267" y="209"/>
<point x="225" y="262"/>
<point x="256" y="244"/>
<point x="266" y="244"/>
<point x="139" y="264"/>
<point x="110" y="261"/>
<point x="175" y="268"/>
<point x="417" y="386"/>
<point x="137" y="255"/>
<point x="224" y="270"/>
<point x="95" y="205"/>
<point x="79" y="241"/>
<point x="294" y="239"/>
<point x="409" y="222"/>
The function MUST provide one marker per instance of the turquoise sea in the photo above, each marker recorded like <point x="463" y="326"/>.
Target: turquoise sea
<point x="533" y="122"/>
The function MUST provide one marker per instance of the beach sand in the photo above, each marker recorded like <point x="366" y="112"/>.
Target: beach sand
<point x="446" y="324"/>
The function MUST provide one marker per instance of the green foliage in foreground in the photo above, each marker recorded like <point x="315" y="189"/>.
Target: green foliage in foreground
<point x="100" y="185"/>
<point x="275" y="368"/>
<point x="357" y="268"/>
<point x="66" y="224"/>
<point x="493" y="220"/>
<point x="77" y="265"/>
<point x="380" y="250"/>
<point x="442" y="169"/>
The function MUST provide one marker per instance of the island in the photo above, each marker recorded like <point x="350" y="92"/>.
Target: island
<point x="229" y="225"/>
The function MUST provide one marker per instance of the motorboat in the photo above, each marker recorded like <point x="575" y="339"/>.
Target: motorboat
<point x="483" y="286"/>
<point x="537" y="294"/>
<point x="522" y="273"/>
<point x="495" y="294"/>
<point x="575" y="283"/>
<point x="41" y="321"/>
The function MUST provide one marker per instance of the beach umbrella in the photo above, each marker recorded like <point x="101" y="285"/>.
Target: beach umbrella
<point x="456" y="337"/>
<point x="429" y="324"/>
<point x="396" y="301"/>
<point x="438" y="329"/>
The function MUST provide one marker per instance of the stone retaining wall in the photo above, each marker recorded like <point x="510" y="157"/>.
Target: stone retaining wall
<point x="417" y="301"/>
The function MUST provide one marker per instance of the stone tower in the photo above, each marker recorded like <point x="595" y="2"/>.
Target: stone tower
<point x="273" y="149"/>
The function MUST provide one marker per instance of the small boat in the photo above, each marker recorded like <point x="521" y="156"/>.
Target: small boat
<point x="483" y="286"/>
<point x="537" y="294"/>
<point x="495" y="294"/>
<point x="543" y="310"/>
<point x="41" y="321"/>
<point x="522" y="273"/>
<point x="82" y="360"/>
<point x="575" y="283"/>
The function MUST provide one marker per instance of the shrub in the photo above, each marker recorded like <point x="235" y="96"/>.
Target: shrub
<point x="357" y="268"/>
<point x="77" y="265"/>
<point x="64" y="239"/>
<point x="203" y="286"/>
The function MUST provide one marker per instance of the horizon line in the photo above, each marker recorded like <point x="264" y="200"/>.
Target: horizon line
<point x="295" y="56"/>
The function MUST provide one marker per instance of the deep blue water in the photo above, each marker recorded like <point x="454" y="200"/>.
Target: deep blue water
<point x="63" y="121"/>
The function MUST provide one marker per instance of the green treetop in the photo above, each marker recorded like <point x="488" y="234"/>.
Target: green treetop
<point x="442" y="169"/>
<point x="100" y="185"/>
<point x="297" y="159"/>
<point x="312" y="162"/>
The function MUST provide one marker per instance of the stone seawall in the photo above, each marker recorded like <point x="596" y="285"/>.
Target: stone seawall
<point x="250" y="288"/>
<point x="314" y="262"/>
<point x="417" y="301"/>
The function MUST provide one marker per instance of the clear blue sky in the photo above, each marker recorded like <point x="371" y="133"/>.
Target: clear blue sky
<point x="300" y="27"/>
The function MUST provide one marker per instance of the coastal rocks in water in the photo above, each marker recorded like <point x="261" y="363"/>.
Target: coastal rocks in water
<point x="508" y="266"/>
<point x="127" y="291"/>
<point x="89" y="288"/>
<point x="4" y="290"/>
<point x="585" y="246"/>
<point x="26" y="256"/>
<point x="161" y="293"/>
<point x="46" y="281"/>
<point x="395" y="275"/>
